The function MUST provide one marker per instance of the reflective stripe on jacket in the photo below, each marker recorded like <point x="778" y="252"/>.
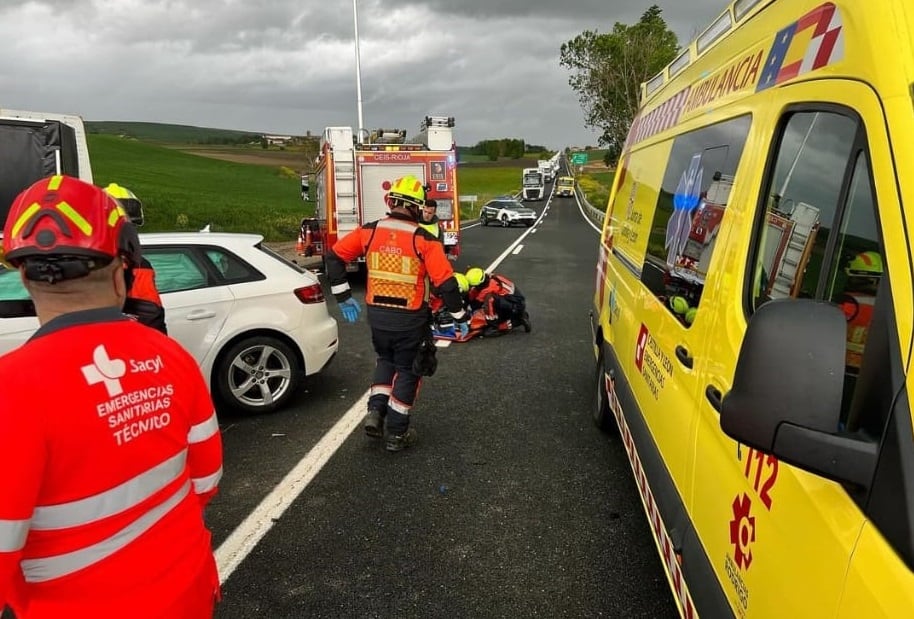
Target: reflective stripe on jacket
<point x="116" y="455"/>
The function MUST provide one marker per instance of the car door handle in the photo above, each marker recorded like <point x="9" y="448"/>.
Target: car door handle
<point x="201" y="314"/>
<point x="714" y="397"/>
<point x="684" y="357"/>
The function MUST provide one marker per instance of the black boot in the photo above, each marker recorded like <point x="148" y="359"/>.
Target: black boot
<point x="525" y="320"/>
<point x="374" y="423"/>
<point x="398" y="443"/>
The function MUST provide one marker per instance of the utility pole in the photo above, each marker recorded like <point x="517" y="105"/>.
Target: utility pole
<point x="358" y="72"/>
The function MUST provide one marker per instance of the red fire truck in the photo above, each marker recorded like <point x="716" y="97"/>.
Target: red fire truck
<point x="354" y="174"/>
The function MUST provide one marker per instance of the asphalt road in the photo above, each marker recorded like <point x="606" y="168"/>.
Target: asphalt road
<point x="511" y="504"/>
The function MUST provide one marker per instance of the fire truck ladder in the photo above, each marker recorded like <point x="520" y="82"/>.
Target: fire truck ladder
<point x="345" y="189"/>
<point x="789" y="275"/>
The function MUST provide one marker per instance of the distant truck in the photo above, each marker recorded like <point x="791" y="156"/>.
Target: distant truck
<point x="565" y="186"/>
<point x="34" y="145"/>
<point x="545" y="166"/>
<point x="533" y="185"/>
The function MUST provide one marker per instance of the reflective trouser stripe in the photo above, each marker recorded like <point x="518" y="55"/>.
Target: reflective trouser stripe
<point x="398" y="406"/>
<point x="339" y="288"/>
<point x="13" y="534"/>
<point x="114" y="501"/>
<point x="379" y="390"/>
<point x="49" y="568"/>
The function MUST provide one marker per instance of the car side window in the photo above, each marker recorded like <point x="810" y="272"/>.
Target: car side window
<point x="229" y="266"/>
<point x="693" y="197"/>
<point x="175" y="269"/>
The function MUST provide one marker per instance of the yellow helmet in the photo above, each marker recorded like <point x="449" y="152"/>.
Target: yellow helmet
<point x="462" y="284"/>
<point x="475" y="276"/>
<point x="868" y="263"/>
<point x="128" y="201"/>
<point x="408" y="189"/>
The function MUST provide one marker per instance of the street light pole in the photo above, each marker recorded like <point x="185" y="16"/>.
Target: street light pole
<point x="358" y="73"/>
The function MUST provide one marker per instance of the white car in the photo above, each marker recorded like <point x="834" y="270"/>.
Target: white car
<point x="256" y="323"/>
<point x="507" y="211"/>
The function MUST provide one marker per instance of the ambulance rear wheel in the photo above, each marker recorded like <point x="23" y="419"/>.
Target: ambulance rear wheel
<point x="602" y="416"/>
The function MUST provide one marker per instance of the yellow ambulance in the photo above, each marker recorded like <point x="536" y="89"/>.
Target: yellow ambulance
<point x="753" y="311"/>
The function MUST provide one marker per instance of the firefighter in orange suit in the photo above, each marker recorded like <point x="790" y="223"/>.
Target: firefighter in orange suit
<point x="116" y="447"/>
<point x="863" y="275"/>
<point x="403" y="260"/>
<point x="143" y="299"/>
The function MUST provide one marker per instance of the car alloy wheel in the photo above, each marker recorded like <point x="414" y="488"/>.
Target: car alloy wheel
<point x="257" y="375"/>
<point x="504" y="221"/>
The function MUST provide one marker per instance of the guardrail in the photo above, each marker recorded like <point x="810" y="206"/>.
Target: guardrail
<point x="595" y="214"/>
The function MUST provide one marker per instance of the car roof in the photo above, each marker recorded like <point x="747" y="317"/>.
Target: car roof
<point x="227" y="239"/>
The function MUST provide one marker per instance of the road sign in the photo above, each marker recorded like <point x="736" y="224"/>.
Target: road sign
<point x="467" y="198"/>
<point x="579" y="158"/>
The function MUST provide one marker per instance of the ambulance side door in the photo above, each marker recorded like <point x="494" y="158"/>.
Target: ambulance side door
<point x="671" y="324"/>
<point x="780" y="538"/>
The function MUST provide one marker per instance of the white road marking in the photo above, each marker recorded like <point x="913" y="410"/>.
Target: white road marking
<point x="245" y="538"/>
<point x="517" y="250"/>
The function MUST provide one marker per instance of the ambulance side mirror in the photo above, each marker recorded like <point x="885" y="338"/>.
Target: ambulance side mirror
<point x="787" y="390"/>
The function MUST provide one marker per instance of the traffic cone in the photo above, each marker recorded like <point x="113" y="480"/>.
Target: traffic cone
<point x="300" y="244"/>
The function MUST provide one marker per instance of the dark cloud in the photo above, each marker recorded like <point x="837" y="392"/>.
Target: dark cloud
<point x="288" y="66"/>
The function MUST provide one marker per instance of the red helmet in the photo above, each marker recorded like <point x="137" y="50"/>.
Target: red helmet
<point x="62" y="216"/>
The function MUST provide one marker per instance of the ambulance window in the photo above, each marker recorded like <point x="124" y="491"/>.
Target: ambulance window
<point x="691" y="202"/>
<point x="820" y="238"/>
<point x="803" y="199"/>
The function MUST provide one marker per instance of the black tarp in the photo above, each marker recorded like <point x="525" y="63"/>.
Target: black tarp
<point x="29" y="151"/>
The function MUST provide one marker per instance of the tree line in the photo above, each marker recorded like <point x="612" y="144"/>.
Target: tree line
<point x="510" y="148"/>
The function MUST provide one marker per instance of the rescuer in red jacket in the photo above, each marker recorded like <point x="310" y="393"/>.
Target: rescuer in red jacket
<point x="143" y="299"/>
<point x="498" y="300"/>
<point x="108" y="427"/>
<point x="402" y="260"/>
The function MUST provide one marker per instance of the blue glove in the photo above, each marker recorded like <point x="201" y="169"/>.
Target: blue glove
<point x="350" y="308"/>
<point x="464" y="329"/>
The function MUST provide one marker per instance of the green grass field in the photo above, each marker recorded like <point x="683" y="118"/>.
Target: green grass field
<point x="163" y="132"/>
<point x="185" y="192"/>
<point x="182" y="191"/>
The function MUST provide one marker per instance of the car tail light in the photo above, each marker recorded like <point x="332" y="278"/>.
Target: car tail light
<point x="310" y="294"/>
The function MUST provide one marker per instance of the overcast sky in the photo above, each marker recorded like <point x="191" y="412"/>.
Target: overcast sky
<point x="288" y="66"/>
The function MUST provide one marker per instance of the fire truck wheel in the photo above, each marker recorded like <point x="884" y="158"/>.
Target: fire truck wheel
<point x="257" y="374"/>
